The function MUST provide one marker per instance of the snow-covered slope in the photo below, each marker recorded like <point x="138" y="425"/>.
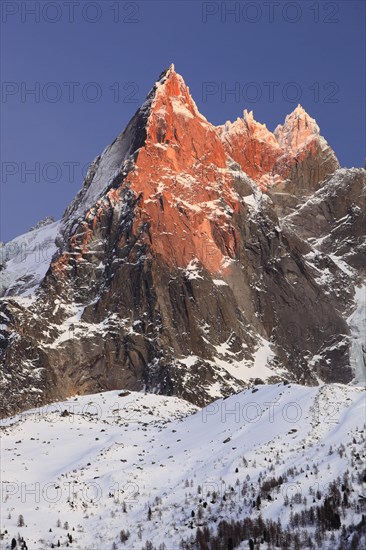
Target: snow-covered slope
<point x="99" y="466"/>
<point x="25" y="260"/>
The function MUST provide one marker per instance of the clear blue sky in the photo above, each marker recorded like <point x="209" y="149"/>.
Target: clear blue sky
<point x="122" y="47"/>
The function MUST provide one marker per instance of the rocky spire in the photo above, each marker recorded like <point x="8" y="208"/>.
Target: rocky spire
<point x="297" y="129"/>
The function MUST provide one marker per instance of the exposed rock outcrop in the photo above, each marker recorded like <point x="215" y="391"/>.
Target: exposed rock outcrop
<point x="173" y="272"/>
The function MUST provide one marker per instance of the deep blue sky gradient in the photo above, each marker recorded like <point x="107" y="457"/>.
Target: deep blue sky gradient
<point x="321" y="50"/>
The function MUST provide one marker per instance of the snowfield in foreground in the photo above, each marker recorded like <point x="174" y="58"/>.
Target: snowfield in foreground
<point x="134" y="470"/>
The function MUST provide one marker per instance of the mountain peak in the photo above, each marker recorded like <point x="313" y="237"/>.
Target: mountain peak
<point x="299" y="110"/>
<point x="164" y="119"/>
<point x="167" y="107"/>
<point x="248" y="115"/>
<point x="172" y="84"/>
<point x="299" y="127"/>
<point x="166" y="73"/>
<point x="171" y="105"/>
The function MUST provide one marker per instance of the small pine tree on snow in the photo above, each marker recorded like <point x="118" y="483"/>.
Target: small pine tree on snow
<point x="124" y="535"/>
<point x="149" y="514"/>
<point x="13" y="544"/>
<point x="21" y="521"/>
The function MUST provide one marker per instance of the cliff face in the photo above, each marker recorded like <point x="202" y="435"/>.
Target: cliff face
<point x="173" y="272"/>
<point x="295" y="158"/>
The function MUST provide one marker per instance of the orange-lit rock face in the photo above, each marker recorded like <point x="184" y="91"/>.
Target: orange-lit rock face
<point x="298" y="130"/>
<point x="269" y="158"/>
<point x="180" y="175"/>
<point x="186" y="189"/>
<point x="252" y="146"/>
